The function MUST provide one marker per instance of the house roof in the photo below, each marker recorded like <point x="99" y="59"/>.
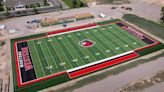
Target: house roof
<point x="13" y="3"/>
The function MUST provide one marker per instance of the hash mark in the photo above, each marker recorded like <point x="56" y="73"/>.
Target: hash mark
<point x="49" y="40"/>
<point x="69" y="36"/>
<point x="79" y="34"/>
<point x="117" y="48"/>
<point x="74" y="60"/>
<point x="135" y="43"/>
<point x="59" y="38"/>
<point x="126" y="45"/>
<point x="95" y="30"/>
<point x="86" y="57"/>
<point x="87" y="32"/>
<point x="110" y="27"/>
<point x="97" y="54"/>
<point x="62" y="64"/>
<point x="39" y="42"/>
<point x="49" y="67"/>
<point x="107" y="51"/>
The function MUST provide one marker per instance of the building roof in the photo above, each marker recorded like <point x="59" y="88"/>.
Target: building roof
<point x="13" y="3"/>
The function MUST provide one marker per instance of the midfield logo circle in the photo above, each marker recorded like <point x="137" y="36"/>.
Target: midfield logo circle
<point x="87" y="43"/>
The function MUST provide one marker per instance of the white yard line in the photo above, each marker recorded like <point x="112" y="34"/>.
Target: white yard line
<point x="63" y="53"/>
<point x="33" y="61"/>
<point x="112" y="32"/>
<point x="81" y="49"/>
<point x="67" y="49"/>
<point x="39" y="58"/>
<point x="100" y="46"/>
<point x="106" y="44"/>
<point x="129" y="35"/>
<point x="50" y="53"/>
<point x="112" y="41"/>
<point x="45" y="58"/>
<point x="56" y="51"/>
<point x="100" y="61"/>
<point x="76" y="53"/>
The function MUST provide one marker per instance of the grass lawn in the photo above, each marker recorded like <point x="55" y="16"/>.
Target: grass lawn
<point x="149" y="26"/>
<point x="162" y="23"/>
<point x="69" y="3"/>
<point x="104" y="1"/>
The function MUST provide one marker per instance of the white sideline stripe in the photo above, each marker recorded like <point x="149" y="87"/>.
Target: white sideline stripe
<point x="100" y="61"/>
<point x="73" y="31"/>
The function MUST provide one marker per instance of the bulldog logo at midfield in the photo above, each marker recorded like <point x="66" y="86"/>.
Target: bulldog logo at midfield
<point x="87" y="43"/>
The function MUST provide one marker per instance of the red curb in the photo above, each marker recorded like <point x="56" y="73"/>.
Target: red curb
<point x="17" y="64"/>
<point x="71" y="29"/>
<point x="146" y="47"/>
<point x="30" y="39"/>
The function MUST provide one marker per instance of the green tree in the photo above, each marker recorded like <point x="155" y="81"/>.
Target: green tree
<point x="35" y="10"/>
<point x="18" y="12"/>
<point x="46" y="3"/>
<point x="7" y="13"/>
<point x="1" y="8"/>
<point x="0" y="2"/>
<point x="2" y="43"/>
<point x="81" y="4"/>
<point x="32" y="6"/>
<point x="74" y="3"/>
<point x="38" y="4"/>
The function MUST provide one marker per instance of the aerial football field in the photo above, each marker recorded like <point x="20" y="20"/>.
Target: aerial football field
<point x="77" y="51"/>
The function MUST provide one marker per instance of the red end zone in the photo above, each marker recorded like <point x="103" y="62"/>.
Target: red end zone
<point x="102" y="65"/>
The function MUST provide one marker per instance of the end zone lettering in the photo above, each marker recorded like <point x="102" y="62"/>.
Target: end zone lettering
<point x="134" y="32"/>
<point x="26" y="58"/>
<point x="20" y="59"/>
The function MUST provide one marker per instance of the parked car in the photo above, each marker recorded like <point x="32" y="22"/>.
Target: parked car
<point x="2" y="27"/>
<point x="35" y="21"/>
<point x="101" y="15"/>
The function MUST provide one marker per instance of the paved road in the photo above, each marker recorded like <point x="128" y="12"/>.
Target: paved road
<point x="54" y="2"/>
